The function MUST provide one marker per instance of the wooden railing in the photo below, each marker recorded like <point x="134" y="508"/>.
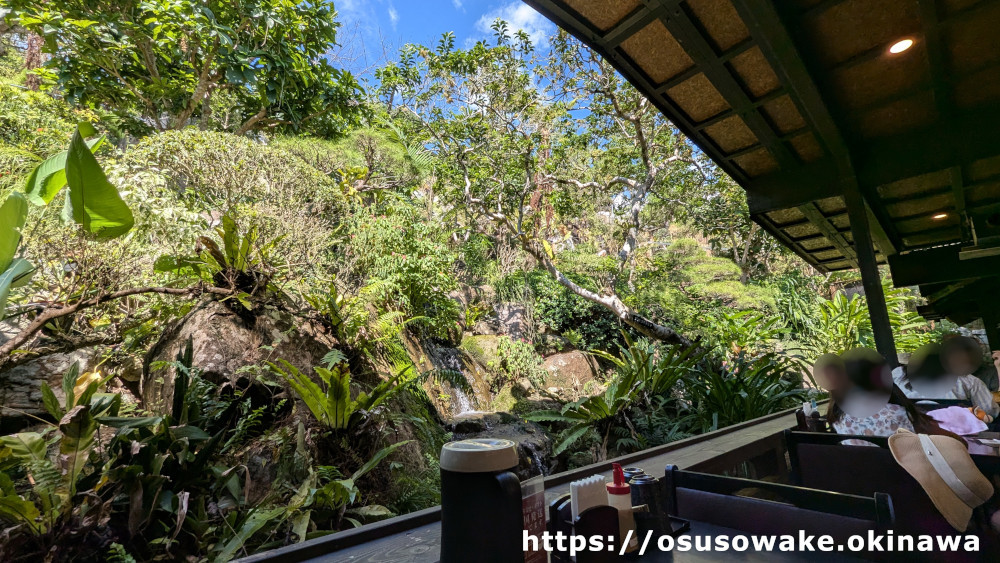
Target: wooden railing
<point x="753" y="449"/>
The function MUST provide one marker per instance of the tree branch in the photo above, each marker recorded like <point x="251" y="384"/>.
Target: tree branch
<point x="54" y="312"/>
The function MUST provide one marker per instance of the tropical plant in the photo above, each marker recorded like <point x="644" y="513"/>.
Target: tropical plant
<point x="599" y="413"/>
<point x="330" y="401"/>
<point x="746" y="331"/>
<point x="241" y="263"/>
<point x="91" y="200"/>
<point x="743" y="388"/>
<point x="656" y="368"/>
<point x="643" y="371"/>
<point x="63" y="501"/>
<point x="14" y="272"/>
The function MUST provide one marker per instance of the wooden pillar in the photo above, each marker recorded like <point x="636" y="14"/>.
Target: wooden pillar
<point x="861" y="231"/>
<point x="991" y="319"/>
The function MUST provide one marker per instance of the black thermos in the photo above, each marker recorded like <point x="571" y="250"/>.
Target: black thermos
<point x="480" y="502"/>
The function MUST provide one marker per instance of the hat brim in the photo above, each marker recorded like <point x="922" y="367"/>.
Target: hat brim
<point x="906" y="449"/>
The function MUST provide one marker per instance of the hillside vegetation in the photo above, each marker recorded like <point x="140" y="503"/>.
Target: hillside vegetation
<point x="238" y="312"/>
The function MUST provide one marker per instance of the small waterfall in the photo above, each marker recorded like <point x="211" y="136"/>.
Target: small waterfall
<point x="462" y="403"/>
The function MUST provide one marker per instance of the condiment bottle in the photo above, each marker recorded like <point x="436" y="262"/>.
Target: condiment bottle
<point x="620" y="497"/>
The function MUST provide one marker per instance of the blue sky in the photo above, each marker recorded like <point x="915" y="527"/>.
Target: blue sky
<point x="373" y="30"/>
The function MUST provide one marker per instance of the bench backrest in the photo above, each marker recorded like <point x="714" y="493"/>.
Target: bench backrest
<point x="724" y="501"/>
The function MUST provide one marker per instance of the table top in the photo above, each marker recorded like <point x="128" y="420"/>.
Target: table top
<point x="422" y="545"/>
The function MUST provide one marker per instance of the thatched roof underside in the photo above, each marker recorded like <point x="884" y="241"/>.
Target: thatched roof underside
<point x="801" y="100"/>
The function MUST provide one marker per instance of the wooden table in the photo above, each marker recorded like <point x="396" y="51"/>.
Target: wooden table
<point x="405" y="538"/>
<point x="422" y="545"/>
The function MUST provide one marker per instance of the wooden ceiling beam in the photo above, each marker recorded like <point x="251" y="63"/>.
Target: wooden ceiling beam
<point x="939" y="265"/>
<point x="831" y="232"/>
<point x="790" y="244"/>
<point x="586" y="33"/>
<point x="769" y="30"/>
<point x="914" y="153"/>
<point x="687" y="33"/>
<point x="784" y="189"/>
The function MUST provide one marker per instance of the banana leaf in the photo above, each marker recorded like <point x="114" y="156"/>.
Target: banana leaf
<point x="13" y="213"/>
<point x="91" y="200"/>
<point x="78" y="428"/>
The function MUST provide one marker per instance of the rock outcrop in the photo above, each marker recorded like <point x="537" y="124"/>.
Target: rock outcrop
<point x="21" y="386"/>
<point x="569" y="373"/>
<point x="224" y="345"/>
<point x="457" y="383"/>
<point x="533" y="444"/>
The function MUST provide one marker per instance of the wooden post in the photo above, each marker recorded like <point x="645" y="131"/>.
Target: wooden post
<point x="858" y="215"/>
<point x="991" y="319"/>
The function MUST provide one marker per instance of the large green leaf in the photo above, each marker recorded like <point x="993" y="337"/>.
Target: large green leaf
<point x="91" y="200"/>
<point x="338" y="395"/>
<point x="13" y="213"/>
<point x="69" y="382"/>
<point x="377" y="458"/>
<point x="29" y="447"/>
<point x="49" y="177"/>
<point x="51" y="402"/>
<point x="258" y="519"/>
<point x="78" y="428"/>
<point x="19" y="511"/>
<point x="16" y="275"/>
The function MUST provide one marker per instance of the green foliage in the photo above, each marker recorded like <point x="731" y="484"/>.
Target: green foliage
<point x="743" y="388"/>
<point x="687" y="286"/>
<point x="379" y="153"/>
<point x="557" y="309"/>
<point x="512" y="360"/>
<point x="746" y="331"/>
<point x="331" y="402"/>
<point x="267" y="53"/>
<point x="36" y="125"/>
<point x="184" y="181"/>
<point x="642" y="371"/>
<point x="91" y="201"/>
<point x="843" y="323"/>
<point x="402" y="263"/>
<point x="14" y="271"/>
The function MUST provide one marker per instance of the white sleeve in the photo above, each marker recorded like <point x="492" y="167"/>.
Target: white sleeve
<point x="979" y="394"/>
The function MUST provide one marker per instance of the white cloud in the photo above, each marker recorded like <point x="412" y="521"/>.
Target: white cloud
<point x="521" y="17"/>
<point x="458" y="4"/>
<point x="393" y="16"/>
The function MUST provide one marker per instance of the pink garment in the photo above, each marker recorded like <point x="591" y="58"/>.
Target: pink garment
<point x="958" y="420"/>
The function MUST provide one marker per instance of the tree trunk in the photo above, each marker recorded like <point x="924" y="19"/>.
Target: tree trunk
<point x="33" y="60"/>
<point x="612" y="303"/>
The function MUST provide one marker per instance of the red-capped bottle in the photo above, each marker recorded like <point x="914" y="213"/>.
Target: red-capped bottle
<point x="620" y="497"/>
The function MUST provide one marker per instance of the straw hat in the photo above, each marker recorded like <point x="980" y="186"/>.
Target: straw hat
<point x="947" y="474"/>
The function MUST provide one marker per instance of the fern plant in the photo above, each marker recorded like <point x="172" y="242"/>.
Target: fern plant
<point x="330" y="400"/>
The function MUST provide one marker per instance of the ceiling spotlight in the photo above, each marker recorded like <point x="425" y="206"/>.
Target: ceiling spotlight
<point x="940" y="216"/>
<point x="900" y="46"/>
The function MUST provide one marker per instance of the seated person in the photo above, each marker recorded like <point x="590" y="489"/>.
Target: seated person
<point x="944" y="372"/>
<point x="993" y="379"/>
<point x="962" y="356"/>
<point x="864" y="400"/>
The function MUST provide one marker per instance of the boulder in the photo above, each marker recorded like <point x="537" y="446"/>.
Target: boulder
<point x="469" y="294"/>
<point x="512" y="320"/>
<point x="21" y="386"/>
<point x="534" y="446"/>
<point x="223" y="343"/>
<point x="570" y="372"/>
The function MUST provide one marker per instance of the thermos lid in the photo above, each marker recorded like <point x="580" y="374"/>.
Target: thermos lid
<point x="479" y="455"/>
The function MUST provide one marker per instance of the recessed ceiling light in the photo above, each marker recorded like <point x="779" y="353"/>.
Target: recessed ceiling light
<point x="940" y="216"/>
<point x="900" y="46"/>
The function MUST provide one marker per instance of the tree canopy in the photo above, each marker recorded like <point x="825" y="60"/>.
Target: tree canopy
<point x="167" y="60"/>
